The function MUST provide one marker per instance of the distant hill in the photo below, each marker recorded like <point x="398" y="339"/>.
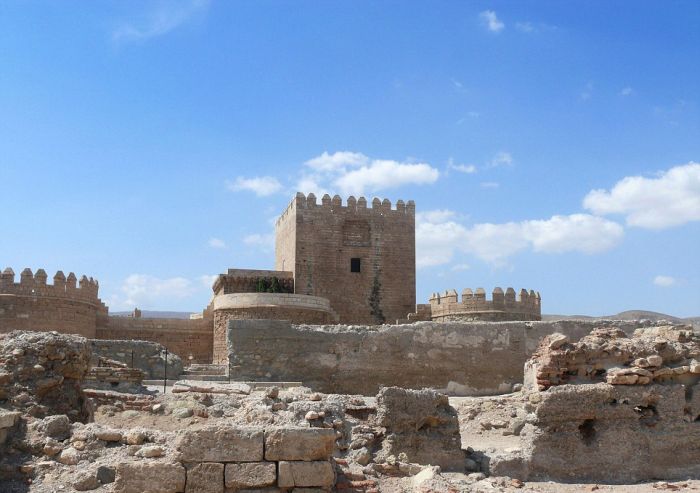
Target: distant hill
<point x="155" y="314"/>
<point x="630" y="315"/>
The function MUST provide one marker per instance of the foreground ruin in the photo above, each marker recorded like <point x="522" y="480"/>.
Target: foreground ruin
<point x="609" y="408"/>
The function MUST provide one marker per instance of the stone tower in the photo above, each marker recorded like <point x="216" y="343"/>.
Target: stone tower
<point x="363" y="259"/>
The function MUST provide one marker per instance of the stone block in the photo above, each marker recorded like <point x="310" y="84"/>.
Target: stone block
<point x="153" y="477"/>
<point x="304" y="474"/>
<point x="257" y="490"/>
<point x="8" y="418"/>
<point x="306" y="444"/>
<point x="250" y="475"/>
<point x="207" y="477"/>
<point x="221" y="444"/>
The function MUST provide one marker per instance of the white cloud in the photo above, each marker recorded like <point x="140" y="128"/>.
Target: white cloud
<point x="216" y="243"/>
<point x="525" y="27"/>
<point x="439" y="236"/>
<point x="169" y="16"/>
<point x="462" y="168"/>
<point x="664" y="281"/>
<point x="434" y="216"/>
<point x="457" y="84"/>
<point x="626" y="91"/>
<point x="354" y="173"/>
<point x="266" y="242"/>
<point x="587" y="92"/>
<point x="207" y="281"/>
<point x="489" y="184"/>
<point x="460" y="267"/>
<point x="502" y="158"/>
<point x="148" y="292"/>
<point x="576" y="232"/>
<point x="338" y="161"/>
<point x="383" y="174"/>
<point x="470" y="114"/>
<point x="672" y="198"/>
<point x="262" y="186"/>
<point x="491" y="21"/>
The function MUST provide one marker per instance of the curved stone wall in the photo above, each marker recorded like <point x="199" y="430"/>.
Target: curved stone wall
<point x="253" y="300"/>
<point x="68" y="306"/>
<point x="503" y="306"/>
<point x="296" y="308"/>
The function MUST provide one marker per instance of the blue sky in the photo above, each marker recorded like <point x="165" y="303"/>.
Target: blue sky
<point x="548" y="145"/>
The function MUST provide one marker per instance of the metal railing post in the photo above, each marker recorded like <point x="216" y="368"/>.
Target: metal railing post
<point x="165" y="372"/>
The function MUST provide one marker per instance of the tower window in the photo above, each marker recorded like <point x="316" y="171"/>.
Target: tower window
<point x="354" y="265"/>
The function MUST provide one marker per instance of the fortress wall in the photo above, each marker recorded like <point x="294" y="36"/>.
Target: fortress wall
<point x="188" y="337"/>
<point x="320" y="239"/>
<point x="446" y="307"/>
<point x="66" y="306"/>
<point x="296" y="308"/>
<point x="475" y="358"/>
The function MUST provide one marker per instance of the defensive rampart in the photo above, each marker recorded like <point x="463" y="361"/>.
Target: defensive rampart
<point x="66" y="306"/>
<point x="501" y="307"/>
<point x="191" y="339"/>
<point x="461" y="358"/>
<point x="361" y="258"/>
<point x="296" y="308"/>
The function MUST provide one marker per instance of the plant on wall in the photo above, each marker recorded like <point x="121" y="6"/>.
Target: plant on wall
<point x="375" y="299"/>
<point x="261" y="286"/>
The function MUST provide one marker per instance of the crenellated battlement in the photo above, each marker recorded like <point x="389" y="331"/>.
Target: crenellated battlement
<point x="526" y="305"/>
<point x="352" y="205"/>
<point x="36" y="285"/>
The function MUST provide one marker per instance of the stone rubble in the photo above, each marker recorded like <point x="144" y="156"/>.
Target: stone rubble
<point x="296" y="440"/>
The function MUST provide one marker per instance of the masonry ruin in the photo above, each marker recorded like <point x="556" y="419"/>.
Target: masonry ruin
<point x="324" y="375"/>
<point x="336" y="263"/>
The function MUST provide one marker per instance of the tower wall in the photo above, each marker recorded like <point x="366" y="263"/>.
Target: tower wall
<point x="320" y="240"/>
<point x="503" y="306"/>
<point x="69" y="305"/>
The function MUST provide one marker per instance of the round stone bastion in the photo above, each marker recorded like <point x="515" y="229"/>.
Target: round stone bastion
<point x="297" y="308"/>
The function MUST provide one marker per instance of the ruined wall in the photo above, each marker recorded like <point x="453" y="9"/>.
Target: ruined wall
<point x="66" y="306"/>
<point x="186" y="338"/>
<point x="325" y="237"/>
<point x="462" y="358"/>
<point x="502" y="306"/>
<point x="146" y="356"/>
<point x="41" y="373"/>
<point x="641" y="424"/>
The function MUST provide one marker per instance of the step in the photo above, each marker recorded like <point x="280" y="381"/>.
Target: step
<point x="202" y="373"/>
<point x="205" y="378"/>
<point x="201" y="366"/>
<point x="205" y="370"/>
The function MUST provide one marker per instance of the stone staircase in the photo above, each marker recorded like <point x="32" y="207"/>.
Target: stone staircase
<point x="205" y="373"/>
